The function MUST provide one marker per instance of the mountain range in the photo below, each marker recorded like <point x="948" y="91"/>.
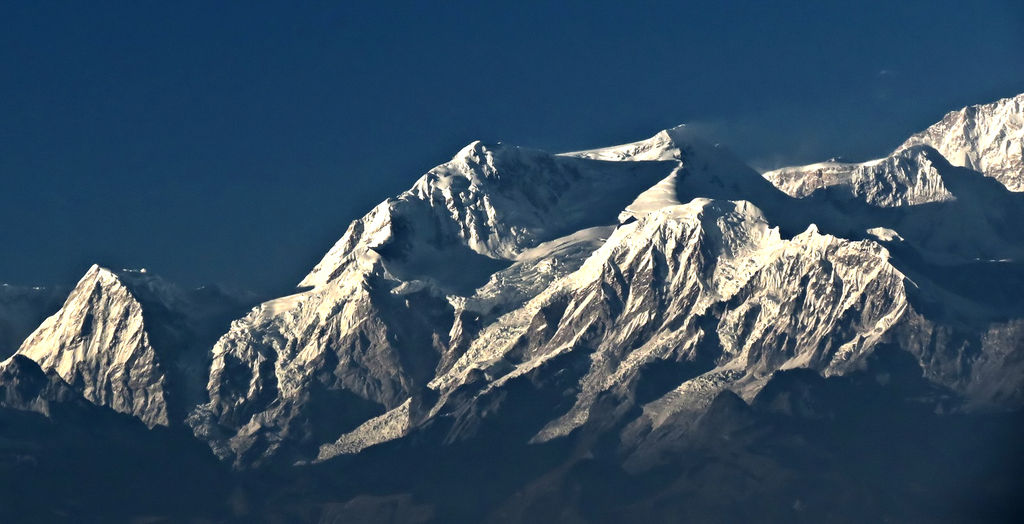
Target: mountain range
<point x="647" y="331"/>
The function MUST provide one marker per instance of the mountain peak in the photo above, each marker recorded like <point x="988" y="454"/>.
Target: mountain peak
<point x="119" y="333"/>
<point x="472" y="150"/>
<point x="986" y="137"/>
<point x="106" y="276"/>
<point x="97" y="271"/>
<point x="493" y="201"/>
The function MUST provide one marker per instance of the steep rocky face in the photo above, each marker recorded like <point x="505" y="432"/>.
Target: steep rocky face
<point x="98" y="343"/>
<point x="133" y="342"/>
<point x="318" y="363"/>
<point x="949" y="214"/>
<point x="679" y="306"/>
<point x="987" y="137"/>
<point x="907" y="177"/>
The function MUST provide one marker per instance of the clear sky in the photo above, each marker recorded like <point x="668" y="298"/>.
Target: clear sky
<point x="234" y="143"/>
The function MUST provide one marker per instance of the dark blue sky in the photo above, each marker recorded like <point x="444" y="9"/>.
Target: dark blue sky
<point x="235" y="143"/>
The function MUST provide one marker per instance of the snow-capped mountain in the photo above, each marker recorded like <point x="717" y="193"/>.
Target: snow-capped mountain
<point x="626" y="307"/>
<point x="988" y="138"/>
<point x="376" y="324"/>
<point x="133" y="342"/>
<point x="664" y="266"/>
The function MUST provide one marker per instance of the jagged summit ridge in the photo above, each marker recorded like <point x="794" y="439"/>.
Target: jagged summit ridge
<point x="506" y="220"/>
<point x="492" y="201"/>
<point x="948" y="214"/>
<point x="703" y="170"/>
<point x="910" y="176"/>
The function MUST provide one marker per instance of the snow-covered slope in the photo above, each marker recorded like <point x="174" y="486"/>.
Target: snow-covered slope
<point x="131" y="341"/>
<point x="987" y="137"/>
<point x="704" y="170"/>
<point x="21" y="311"/>
<point x="611" y="290"/>
<point x="425" y="277"/>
